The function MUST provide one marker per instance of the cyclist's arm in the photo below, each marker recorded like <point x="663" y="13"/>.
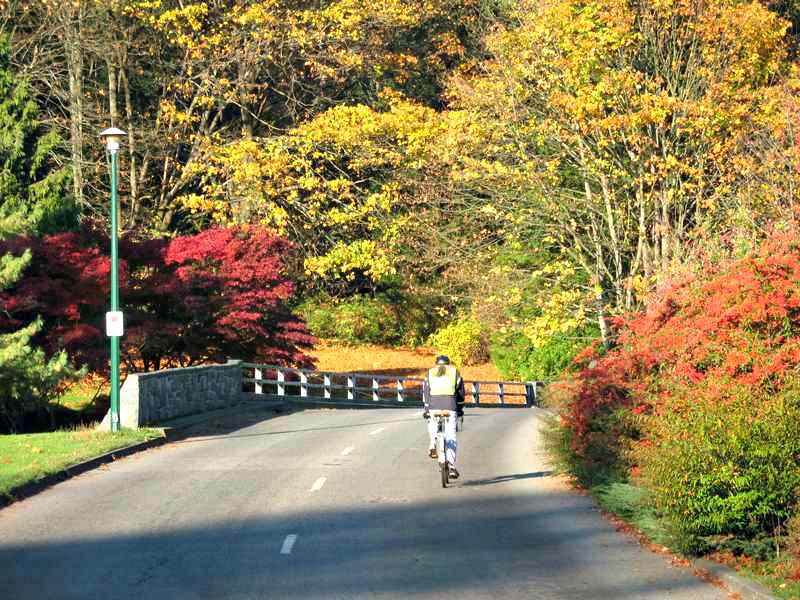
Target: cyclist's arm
<point x="460" y="394"/>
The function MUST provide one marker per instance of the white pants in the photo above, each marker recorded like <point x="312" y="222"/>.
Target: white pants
<point x="449" y="436"/>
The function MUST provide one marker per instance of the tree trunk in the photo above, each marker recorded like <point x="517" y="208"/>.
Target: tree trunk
<point x="666" y="230"/>
<point x="72" y="16"/>
<point x="134" y="186"/>
<point x="113" y="82"/>
<point x="616" y="250"/>
<point x="601" y="312"/>
<point x="112" y="92"/>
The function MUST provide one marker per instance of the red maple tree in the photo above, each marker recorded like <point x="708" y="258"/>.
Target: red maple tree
<point x="219" y="294"/>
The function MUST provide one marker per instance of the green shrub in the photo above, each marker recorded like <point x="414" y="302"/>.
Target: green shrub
<point x="383" y="319"/>
<point x="725" y="470"/>
<point x="364" y="319"/>
<point x="517" y="357"/>
<point x="464" y="341"/>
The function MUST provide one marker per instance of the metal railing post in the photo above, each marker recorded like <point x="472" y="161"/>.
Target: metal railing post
<point x="351" y="387"/>
<point x="281" y="379"/>
<point x="501" y="393"/>
<point x="303" y="385"/>
<point x="257" y="376"/>
<point x="400" y="390"/>
<point x="375" y="395"/>
<point x="476" y="392"/>
<point x="326" y="384"/>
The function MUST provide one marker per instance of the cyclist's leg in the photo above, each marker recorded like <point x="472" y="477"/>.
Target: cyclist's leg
<point x="450" y="438"/>
<point x="432" y="427"/>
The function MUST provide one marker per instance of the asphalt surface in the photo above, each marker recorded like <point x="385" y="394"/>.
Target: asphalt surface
<point x="241" y="510"/>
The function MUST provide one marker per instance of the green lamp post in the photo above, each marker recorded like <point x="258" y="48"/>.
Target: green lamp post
<point x="111" y="137"/>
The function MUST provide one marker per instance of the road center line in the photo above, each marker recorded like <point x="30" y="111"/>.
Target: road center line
<point x="288" y="543"/>
<point x="377" y="431"/>
<point x="318" y="484"/>
<point x="348" y="450"/>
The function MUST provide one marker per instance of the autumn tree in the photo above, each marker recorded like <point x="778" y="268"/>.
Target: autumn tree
<point x="624" y="129"/>
<point x="192" y="299"/>
<point x="178" y="75"/>
<point x="336" y="185"/>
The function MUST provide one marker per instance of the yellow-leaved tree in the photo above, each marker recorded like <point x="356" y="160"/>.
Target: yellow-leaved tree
<point x="620" y="130"/>
<point x="335" y="185"/>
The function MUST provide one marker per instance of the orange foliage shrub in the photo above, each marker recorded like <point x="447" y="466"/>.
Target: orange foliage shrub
<point x="697" y="397"/>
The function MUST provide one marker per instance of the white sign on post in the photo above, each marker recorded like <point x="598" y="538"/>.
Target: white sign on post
<point x="114" y="323"/>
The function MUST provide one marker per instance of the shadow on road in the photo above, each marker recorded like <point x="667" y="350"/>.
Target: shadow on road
<point x="506" y="478"/>
<point x="227" y="426"/>
<point x="208" y="432"/>
<point x="541" y="546"/>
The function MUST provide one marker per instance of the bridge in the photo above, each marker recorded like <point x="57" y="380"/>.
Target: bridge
<point x="365" y="389"/>
<point x="319" y="503"/>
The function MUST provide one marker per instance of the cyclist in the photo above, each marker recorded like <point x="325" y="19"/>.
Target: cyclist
<point x="443" y="389"/>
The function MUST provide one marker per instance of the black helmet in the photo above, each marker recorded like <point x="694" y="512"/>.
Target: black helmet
<point x="442" y="360"/>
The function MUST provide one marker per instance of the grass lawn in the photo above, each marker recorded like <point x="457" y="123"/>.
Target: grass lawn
<point x="28" y="457"/>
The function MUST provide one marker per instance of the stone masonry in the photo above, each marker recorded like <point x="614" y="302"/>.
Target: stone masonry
<point x="147" y="398"/>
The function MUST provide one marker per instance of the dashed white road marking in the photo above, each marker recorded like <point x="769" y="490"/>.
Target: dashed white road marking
<point x="348" y="450"/>
<point x="318" y="484"/>
<point x="377" y="431"/>
<point x="288" y="543"/>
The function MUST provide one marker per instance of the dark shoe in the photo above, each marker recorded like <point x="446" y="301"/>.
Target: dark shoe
<point x="453" y="473"/>
<point x="432" y="453"/>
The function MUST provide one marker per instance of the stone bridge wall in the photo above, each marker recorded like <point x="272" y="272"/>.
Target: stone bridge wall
<point x="147" y="398"/>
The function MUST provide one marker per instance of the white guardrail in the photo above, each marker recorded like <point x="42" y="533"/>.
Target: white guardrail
<point x="347" y="388"/>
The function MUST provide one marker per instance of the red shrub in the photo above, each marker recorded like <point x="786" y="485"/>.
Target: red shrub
<point x="218" y="294"/>
<point x="740" y="324"/>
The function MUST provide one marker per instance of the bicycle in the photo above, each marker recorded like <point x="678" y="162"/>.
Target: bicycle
<point x="441" y="454"/>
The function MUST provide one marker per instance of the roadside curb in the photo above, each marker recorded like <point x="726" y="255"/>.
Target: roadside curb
<point x="745" y="588"/>
<point x="173" y="430"/>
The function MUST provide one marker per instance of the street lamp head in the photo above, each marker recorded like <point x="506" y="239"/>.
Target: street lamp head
<point x="111" y="138"/>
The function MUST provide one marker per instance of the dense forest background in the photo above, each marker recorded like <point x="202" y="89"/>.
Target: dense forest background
<point x="521" y="172"/>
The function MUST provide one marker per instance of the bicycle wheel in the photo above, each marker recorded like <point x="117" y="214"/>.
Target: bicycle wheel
<point x="445" y="474"/>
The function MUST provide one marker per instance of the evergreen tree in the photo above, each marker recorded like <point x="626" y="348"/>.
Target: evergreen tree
<point x="34" y="189"/>
<point x="32" y="199"/>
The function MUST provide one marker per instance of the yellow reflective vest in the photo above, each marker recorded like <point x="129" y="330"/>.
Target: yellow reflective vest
<point x="445" y="384"/>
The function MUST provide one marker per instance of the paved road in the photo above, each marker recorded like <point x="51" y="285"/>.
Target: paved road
<point x="328" y="504"/>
